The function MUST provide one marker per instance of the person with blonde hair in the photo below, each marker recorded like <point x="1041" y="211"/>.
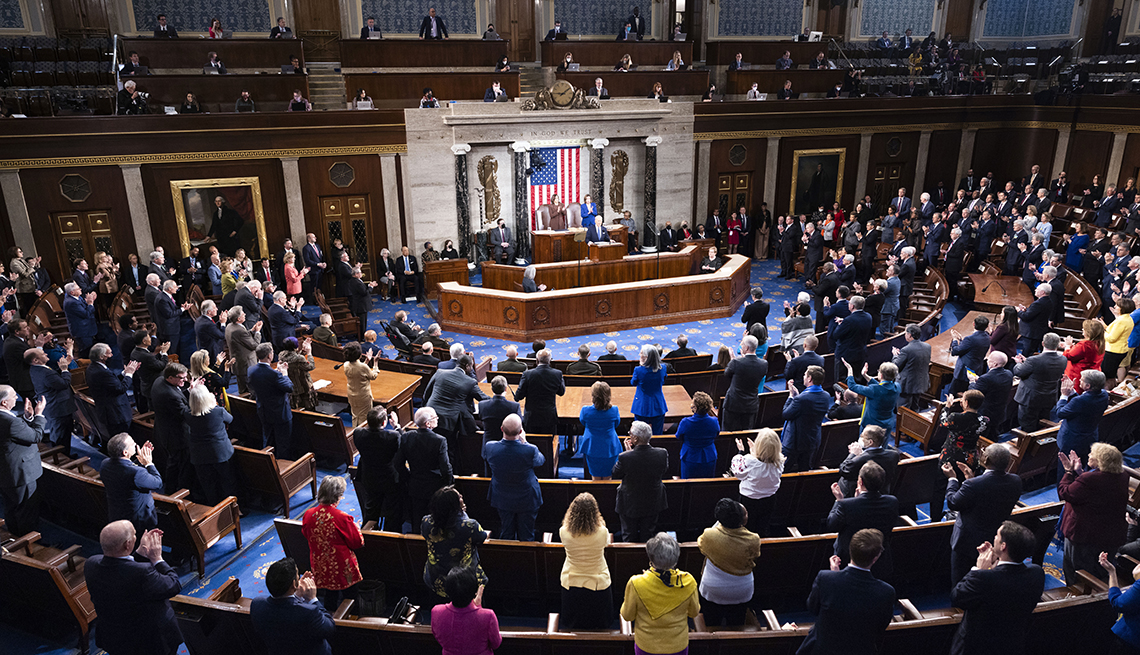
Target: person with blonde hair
<point x="360" y="375"/>
<point x="599" y="443"/>
<point x="759" y="470"/>
<point x="1092" y="521"/>
<point x="210" y="447"/>
<point x="293" y="276"/>
<point x="698" y="434"/>
<point x="587" y="603"/>
<point x="332" y="536"/>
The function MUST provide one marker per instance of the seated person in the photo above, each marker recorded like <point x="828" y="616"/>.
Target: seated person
<point x="406" y="327"/>
<point x="500" y="239"/>
<point x="425" y="357"/>
<point x="676" y="64"/>
<point x="299" y="103"/>
<point x="552" y="34"/>
<point x="491" y="34"/>
<point x="837" y="91"/>
<point x="370" y="31"/>
<point x="164" y="31"/>
<point x="627" y="33"/>
<point x="432" y="336"/>
<point x="245" y="103"/>
<point x="709" y="95"/>
<point x="564" y="65"/>
<point x="785" y="63"/>
<point x="296" y="63"/>
<point x="190" y="105"/>
<point x="428" y="100"/>
<point x="583" y="366"/>
<point x="369" y="345"/>
<point x="429" y="254"/>
<point x="682" y="350"/>
<point x="625" y="65"/>
<point x="786" y="93"/>
<point x="805" y="37"/>
<point x="847" y="405"/>
<point x="884" y="44"/>
<point x="503" y="65"/>
<point x="598" y="91"/>
<point x="528" y="284"/>
<point x="214" y="66"/>
<point x="361" y="96"/>
<point x="130" y="101"/>
<point x="754" y="92"/>
<point x="712" y="263"/>
<point x="281" y="31"/>
<point x="820" y="62"/>
<point x="132" y="66"/>
<point x="658" y="93"/>
<point x="324" y="332"/>
<point x="449" y="251"/>
<point x="737" y="63"/>
<point x="495" y="93"/>
<point x="611" y="352"/>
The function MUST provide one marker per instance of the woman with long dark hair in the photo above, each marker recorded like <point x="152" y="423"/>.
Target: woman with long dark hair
<point x="1003" y="338"/>
<point x="452" y="541"/>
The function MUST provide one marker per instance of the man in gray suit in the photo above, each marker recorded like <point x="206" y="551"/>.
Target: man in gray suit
<point x="1040" y="382"/>
<point x="913" y="361"/>
<point x="241" y="343"/>
<point x="452" y="393"/>
<point x="744" y="373"/>
<point x="20" y="465"/>
<point x="249" y="298"/>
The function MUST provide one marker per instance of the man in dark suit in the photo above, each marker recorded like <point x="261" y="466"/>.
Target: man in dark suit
<point x="913" y="361"/>
<point x="452" y="394"/>
<point x="813" y="251"/>
<point x="1111" y="202"/>
<point x="133" y="274"/>
<point x="314" y="259"/>
<point x="637" y="23"/>
<point x="596" y="233"/>
<point x="164" y="31"/>
<point x="251" y="299"/>
<point x="935" y="236"/>
<point x="744" y="374"/>
<point x="285" y="318"/>
<point x="798" y="364"/>
<point x="152" y="291"/>
<point x="129" y="485"/>
<point x="853" y="608"/>
<point x="272" y="388"/>
<point x="1059" y="189"/>
<point x="425" y="357"/>
<point x="500" y="239"/>
<point x="360" y="298"/>
<point x="432" y="27"/>
<point x="714" y="226"/>
<point x="641" y="494"/>
<point x="132" y="594"/>
<point x="425" y="454"/>
<point x="190" y="269"/>
<point x="1033" y="321"/>
<point x="158" y="266"/>
<point x="968" y="183"/>
<point x="1015" y="254"/>
<point x="995" y="384"/>
<point x="493" y="410"/>
<point x="682" y="349"/>
<point x="901" y="204"/>
<point x="291" y="620"/>
<point x="370" y="31"/>
<point x="540" y="387"/>
<point x="756" y="311"/>
<point x="514" y="486"/>
<point x="804" y="413"/>
<point x="54" y="384"/>
<point x="20" y="430"/>
<point x="80" y="313"/>
<point x="982" y="502"/>
<point x="552" y="33"/>
<point x="907" y="269"/>
<point x="210" y="336"/>
<point x="869" y="508"/>
<point x="19" y="341"/>
<point x="408" y="269"/>
<point x="851" y="336"/>
<point x="1034" y="253"/>
<point x="168" y="316"/>
<point x="955" y="258"/>
<point x="827" y="289"/>
<point x="870" y="447"/>
<point x="611" y="355"/>
<point x="266" y="274"/>
<point x="971" y="353"/>
<point x="987" y="232"/>
<point x="169" y="397"/>
<point x="998" y="595"/>
<point x="82" y="277"/>
<point x="1040" y="384"/>
<point x="109" y="391"/>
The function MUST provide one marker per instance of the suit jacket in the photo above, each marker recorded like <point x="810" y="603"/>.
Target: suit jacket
<point x="211" y="337"/>
<point x="934" y="241"/>
<point x="132" y="599"/>
<point x="168" y="33"/>
<point x="982" y="503"/>
<point x="364" y="33"/>
<point x="245" y="299"/>
<point x="1014" y="258"/>
<point x="160" y="271"/>
<point x="282" y="323"/>
<point x="425" y="28"/>
<point x="150" y="294"/>
<point x="291" y="626"/>
<point x="81" y="321"/>
<point x="269" y="275"/>
<point x="425" y="454"/>
<point x="868" y="510"/>
<point x="209" y="441"/>
<point x="167" y="317"/>
<point x="884" y="456"/>
<point x="955" y="256"/>
<point x="1032" y="260"/>
<point x="19" y="375"/>
<point x="55" y="386"/>
<point x="514" y="486"/>
<point x="171" y="407"/>
<point x="451" y="392"/>
<point x="641" y="470"/>
<point x="132" y="277"/>
<point x="128" y="487"/>
<point x="850" y="338"/>
<point x="996" y="385"/>
<point x="998" y="603"/>
<point x="150" y="367"/>
<point x="971" y="353"/>
<point x="796" y="368"/>
<point x="1040" y="379"/>
<point x="593" y="91"/>
<point x="755" y="313"/>
<point x="803" y="415"/>
<point x="540" y="386"/>
<point x="492" y="412"/>
<point x="426" y="360"/>
<point x="109" y="391"/>
<point x="597" y="232"/>
<point x="902" y="205"/>
<point x="744" y="376"/>
<point x="311" y="256"/>
<point x="853" y="610"/>
<point x="272" y="390"/>
<point x="1034" y="319"/>
<point x="913" y="361"/>
<point x="242" y="344"/>
<point x="1080" y="420"/>
<point x="360" y="297"/>
<point x="19" y="456"/>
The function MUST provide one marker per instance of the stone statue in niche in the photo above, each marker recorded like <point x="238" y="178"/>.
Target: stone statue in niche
<point x="488" y="171"/>
<point x="619" y="161"/>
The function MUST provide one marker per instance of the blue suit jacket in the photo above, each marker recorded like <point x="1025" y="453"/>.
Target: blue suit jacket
<point x="982" y="503"/>
<point x="492" y="412"/>
<point x="282" y="323"/>
<point x="128" y="488"/>
<point x="880" y="407"/>
<point x="698" y="435"/>
<point x="312" y="259"/>
<point x="998" y="603"/>
<point x="211" y="337"/>
<point x="996" y="385"/>
<point x="853" y="610"/>
<point x="850" y="338"/>
<point x="597" y="232"/>
<point x="971" y="353"/>
<point x="934" y="242"/>
<point x="109" y="391"/>
<point x="803" y="415"/>
<point x="514" y="486"/>
<point x="132" y="600"/>
<point x="54" y="385"/>
<point x="291" y="626"/>
<point x="167" y="316"/>
<point x="901" y="205"/>
<point x="272" y="390"/>
<point x="80" y="317"/>
<point x="1080" y="417"/>
<point x="648" y="400"/>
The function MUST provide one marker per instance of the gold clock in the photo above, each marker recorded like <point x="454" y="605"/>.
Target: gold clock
<point x="562" y="94"/>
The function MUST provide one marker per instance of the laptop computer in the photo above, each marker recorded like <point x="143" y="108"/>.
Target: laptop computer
<point x="815" y="36"/>
<point x="573" y="68"/>
<point x="680" y="36"/>
<point x="502" y="98"/>
<point x="169" y="110"/>
<point x="561" y="36"/>
<point x="744" y="66"/>
<point x="364" y="104"/>
<point x="375" y="37"/>
<point x="210" y="70"/>
<point x="286" y="69"/>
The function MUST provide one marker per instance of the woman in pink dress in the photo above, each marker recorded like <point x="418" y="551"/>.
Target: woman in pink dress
<point x="463" y="626"/>
<point x="734" y="227"/>
<point x="293" y="277"/>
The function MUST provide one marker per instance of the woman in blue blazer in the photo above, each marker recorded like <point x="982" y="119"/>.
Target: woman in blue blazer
<point x="648" y="401"/>
<point x="600" y="445"/>
<point x="698" y="439"/>
<point x="589" y="210"/>
<point x="1127" y="602"/>
<point x="210" y="447"/>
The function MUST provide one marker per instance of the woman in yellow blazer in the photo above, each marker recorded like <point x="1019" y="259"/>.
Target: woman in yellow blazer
<point x="360" y="375"/>
<point x="587" y="603"/>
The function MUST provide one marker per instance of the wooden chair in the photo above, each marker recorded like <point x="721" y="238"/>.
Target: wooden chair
<point x="38" y="582"/>
<point x="187" y="524"/>
<point x="835" y="436"/>
<point x="771" y="411"/>
<point x="326" y="436"/>
<point x="917" y="426"/>
<point x="262" y="472"/>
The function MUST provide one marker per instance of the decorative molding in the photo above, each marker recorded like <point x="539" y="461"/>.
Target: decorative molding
<point x="460" y="149"/>
<point x="187" y="157"/>
<point x="824" y="131"/>
<point x="598" y="144"/>
<point x="602" y="308"/>
<point x="541" y="315"/>
<point x="455" y="309"/>
<point x="511" y="315"/>
<point x="520" y="146"/>
<point x="653" y="141"/>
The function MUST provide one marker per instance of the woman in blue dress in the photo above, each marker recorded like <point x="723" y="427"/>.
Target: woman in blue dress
<point x="1074" y="244"/>
<point x="600" y="445"/>
<point x="698" y="439"/>
<point x="589" y="211"/>
<point x="649" y="401"/>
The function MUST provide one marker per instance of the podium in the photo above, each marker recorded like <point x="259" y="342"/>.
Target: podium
<point x="443" y="270"/>
<point x="607" y="252"/>
<point x="551" y="247"/>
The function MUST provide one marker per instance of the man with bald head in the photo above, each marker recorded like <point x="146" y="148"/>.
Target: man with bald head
<point x="514" y="485"/>
<point x="611" y="352"/>
<point x="511" y="364"/>
<point x="132" y="593"/>
<point x="996" y="384"/>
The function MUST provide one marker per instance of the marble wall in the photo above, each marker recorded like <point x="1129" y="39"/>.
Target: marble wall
<point x="1028" y="18"/>
<point x="896" y="16"/>
<point x="11" y="15"/>
<point x="405" y="16"/>
<point x="754" y="18"/>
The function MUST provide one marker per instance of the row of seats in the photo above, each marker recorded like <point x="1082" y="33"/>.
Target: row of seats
<point x="49" y="48"/>
<point x="61" y="73"/>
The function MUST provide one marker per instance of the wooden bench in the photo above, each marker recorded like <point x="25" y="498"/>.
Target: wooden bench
<point x="43" y="586"/>
<point x="344" y="323"/>
<point x="324" y="436"/>
<point x="263" y="473"/>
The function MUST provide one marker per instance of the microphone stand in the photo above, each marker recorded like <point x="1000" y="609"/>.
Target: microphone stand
<point x="1004" y="293"/>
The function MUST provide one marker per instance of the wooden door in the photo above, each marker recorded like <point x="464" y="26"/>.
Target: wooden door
<point x="734" y="190"/>
<point x="888" y="179"/>
<point x="79" y="235"/>
<point x="514" y="21"/>
<point x="347" y="218"/>
<point x="318" y="23"/>
<point x="80" y="16"/>
<point x="831" y="20"/>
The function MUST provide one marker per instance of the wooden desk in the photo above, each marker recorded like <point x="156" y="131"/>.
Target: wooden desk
<point x="591" y="310"/>
<point x="217" y="93"/>
<point x="393" y="390"/>
<point x="677" y="400"/>
<point x="571" y="275"/>
<point x="803" y="80"/>
<point x="551" y="246"/>
<point x="941" y="361"/>
<point x="412" y="53"/>
<point x="761" y="53"/>
<point x="607" y="252"/>
<point x="445" y="86"/>
<point x="443" y="270"/>
<point x="647" y="54"/>
<point x="168" y="54"/>
<point x="639" y="83"/>
<point x="1008" y="290"/>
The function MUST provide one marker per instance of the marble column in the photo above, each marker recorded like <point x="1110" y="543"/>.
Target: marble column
<point x="920" y="163"/>
<point x="391" y="201"/>
<point x="864" y="167"/>
<point x="18" y="212"/>
<point x="293" y="202"/>
<point x="966" y="153"/>
<point x="598" y="170"/>
<point x="1062" y="152"/>
<point x="1115" y="159"/>
<point x="522" y="204"/>
<point x="771" y="164"/>
<point x="136" y="203"/>
<point x="462" y="200"/>
<point x="649" y="229"/>
<point x="704" y="151"/>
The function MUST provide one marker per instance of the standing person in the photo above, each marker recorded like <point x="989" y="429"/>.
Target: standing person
<point x="129" y="485"/>
<point x="54" y="384"/>
<point x="293" y="276"/>
<point x="870" y="447"/>
<point x="432" y="27"/>
<point x="641" y="495"/>
<point x="514" y="486"/>
<point x="109" y="390"/>
<point x="648" y="399"/>
<point x="1093" y="518"/>
<point x="170" y="411"/>
<point x="1086" y="354"/>
<point x="745" y="376"/>
<point x="151" y="365"/>
<point x="291" y="619"/>
<point x="20" y="465"/>
<point x="80" y="313"/>
<point x="964" y="428"/>
<point x="759" y="472"/>
<point x="971" y="353"/>
<point x="540" y="387"/>
<point x="1040" y="382"/>
<point x="377" y="482"/>
<point x="210" y="447"/>
<point x="1079" y="411"/>
<point x="660" y="601"/>
<point x="299" y="359"/>
<point x="464" y="625"/>
<point x="599" y="443"/>
<point x="494" y="410"/>
<point x="453" y="541"/>
<point x="452" y="393"/>
<point x="314" y="259"/>
<point x="425" y="454"/>
<point x="360" y="298"/>
<point x="998" y="594"/>
<point x="698" y="434"/>
<point x="1116" y="351"/>
<point x="1127" y="637"/>
<point x="359" y="375"/>
<point x="131" y="591"/>
<point x="587" y="603"/>
<point x="804" y="413"/>
<point x="881" y="395"/>
<point x="730" y="551"/>
<point x="981" y="502"/>
<point x="272" y="387"/>
<point x="868" y="508"/>
<point x="332" y="536"/>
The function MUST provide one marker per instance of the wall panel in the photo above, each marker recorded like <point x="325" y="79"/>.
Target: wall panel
<point x="6" y="238"/>
<point x="367" y="182"/>
<point x="1130" y="164"/>
<point x="893" y="148"/>
<point x="1088" y="156"/>
<point x="788" y="146"/>
<point x="755" y="157"/>
<point x="943" y="162"/>
<point x="1009" y="153"/>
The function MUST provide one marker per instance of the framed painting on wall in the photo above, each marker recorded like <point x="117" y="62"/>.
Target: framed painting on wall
<point x="226" y="212"/>
<point x="817" y="179"/>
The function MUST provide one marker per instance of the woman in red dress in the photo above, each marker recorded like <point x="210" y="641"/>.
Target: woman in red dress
<point x="293" y="277"/>
<point x="734" y="227"/>
<point x="332" y="536"/>
<point x="1086" y="353"/>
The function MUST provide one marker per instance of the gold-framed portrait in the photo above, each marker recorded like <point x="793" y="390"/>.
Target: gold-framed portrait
<point x="817" y="179"/>
<point x="224" y="211"/>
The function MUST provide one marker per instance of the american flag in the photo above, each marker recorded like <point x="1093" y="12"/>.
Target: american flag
<point x="558" y="173"/>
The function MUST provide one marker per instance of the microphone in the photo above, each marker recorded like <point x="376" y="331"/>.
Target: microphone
<point x="337" y="367"/>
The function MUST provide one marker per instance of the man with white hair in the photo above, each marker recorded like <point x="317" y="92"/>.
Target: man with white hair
<point x="1033" y="253"/>
<point x="425" y="454"/>
<point x="210" y="329"/>
<point x="242" y="343"/>
<point x="455" y="350"/>
<point x="130" y="101"/>
<point x="540" y="387"/>
<point x="132" y="594"/>
<point x="249" y="296"/>
<point x="995" y="384"/>
<point x="20" y="465"/>
<point x="514" y="485"/>
<point x="53" y="383"/>
<point x="152" y="292"/>
<point x="925" y="207"/>
<point x="745" y="374"/>
<point x="285" y="318"/>
<point x="611" y="352"/>
<point x="511" y="364"/>
<point x="1033" y="321"/>
<point x="81" y="321"/>
<point x="158" y="266"/>
<point x="167" y="316"/>
<point x="1048" y="275"/>
<point x="955" y="259"/>
<point x="641" y="494"/>
<point x="432" y="335"/>
<point x="906" y="268"/>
